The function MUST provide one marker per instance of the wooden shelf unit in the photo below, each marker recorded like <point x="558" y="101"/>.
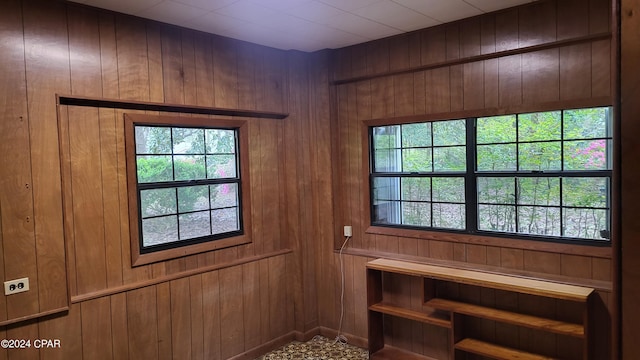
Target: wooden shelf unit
<point x="448" y="313"/>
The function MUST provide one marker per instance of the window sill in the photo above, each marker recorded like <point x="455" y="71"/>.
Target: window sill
<point x="138" y="259"/>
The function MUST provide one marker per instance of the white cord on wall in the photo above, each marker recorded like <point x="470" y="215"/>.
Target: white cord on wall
<point x="341" y="338"/>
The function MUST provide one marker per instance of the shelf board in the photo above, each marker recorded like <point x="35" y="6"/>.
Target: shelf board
<point x="391" y="353"/>
<point x="495" y="351"/>
<point x="484" y="279"/>
<point x="434" y="317"/>
<point x="529" y="321"/>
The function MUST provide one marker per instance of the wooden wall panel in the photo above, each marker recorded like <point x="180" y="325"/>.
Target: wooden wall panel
<point x="548" y="74"/>
<point x="151" y="311"/>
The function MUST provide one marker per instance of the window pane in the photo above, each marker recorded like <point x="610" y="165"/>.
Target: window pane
<point x="585" y="223"/>
<point x="221" y="166"/>
<point x="496" y="190"/>
<point x="224" y="220"/>
<point x="452" y="132"/>
<point x="450" y="159"/>
<point x="497" y="218"/>
<point x="540" y="156"/>
<point x="416" y="213"/>
<point x="585" y="155"/>
<point x="417" y="189"/>
<point x="449" y="216"/>
<point x="539" y="220"/>
<point x="157" y="202"/>
<point x="154" y="168"/>
<point x="386" y="212"/>
<point x="539" y="126"/>
<point x="586" y="123"/>
<point x="153" y="140"/>
<point x="189" y="167"/>
<point x="220" y="141"/>
<point x="386" y="188"/>
<point x="539" y="191"/>
<point x="497" y="157"/>
<point x="584" y="192"/>
<point x="418" y="160"/>
<point x="188" y="141"/>
<point x="159" y="230"/>
<point x="194" y="225"/>
<point x="387" y="161"/>
<point x="496" y="129"/>
<point x="448" y="189"/>
<point x="386" y="137"/>
<point x="193" y="198"/>
<point x="416" y="135"/>
<point x="224" y="195"/>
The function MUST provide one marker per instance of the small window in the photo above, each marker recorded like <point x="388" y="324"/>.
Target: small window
<point x="186" y="185"/>
<point x="542" y="175"/>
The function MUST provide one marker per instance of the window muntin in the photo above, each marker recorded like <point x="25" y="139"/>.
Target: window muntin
<point x="187" y="184"/>
<point x="543" y="175"/>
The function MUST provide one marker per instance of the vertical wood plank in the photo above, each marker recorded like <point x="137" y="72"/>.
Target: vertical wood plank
<point x="16" y="197"/>
<point x="277" y="296"/>
<point x="204" y="71"/>
<point x="68" y="329"/>
<point x="133" y="63"/>
<point x="434" y="45"/>
<point x="211" y="312"/>
<point x="251" y="304"/>
<point x="45" y="32"/>
<point x="506" y="30"/>
<point x="573" y="19"/>
<point x="142" y="324"/>
<point x="181" y="319"/>
<point x="474" y="86"/>
<point x="542" y="262"/>
<point x="540" y="77"/>
<point x="173" y="71"/>
<point x="163" y="306"/>
<point x="197" y="320"/>
<point x="96" y="329"/>
<point x="119" y="327"/>
<point x="537" y="23"/>
<point x="231" y="312"/>
<point x="154" y="57"/>
<point x="510" y="80"/>
<point x="225" y="73"/>
<point x="575" y="73"/>
<point x="601" y="77"/>
<point x="86" y="177"/>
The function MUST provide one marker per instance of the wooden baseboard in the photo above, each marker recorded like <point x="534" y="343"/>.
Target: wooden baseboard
<point x="268" y="346"/>
<point x="351" y="339"/>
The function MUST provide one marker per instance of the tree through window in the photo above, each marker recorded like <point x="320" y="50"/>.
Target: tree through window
<point x="544" y="174"/>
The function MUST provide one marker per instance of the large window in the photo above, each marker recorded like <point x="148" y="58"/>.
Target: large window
<point x="185" y="185"/>
<point x="540" y="175"/>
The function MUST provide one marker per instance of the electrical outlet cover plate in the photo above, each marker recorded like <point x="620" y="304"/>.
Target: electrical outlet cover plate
<point x="16" y="286"/>
<point x="348" y="231"/>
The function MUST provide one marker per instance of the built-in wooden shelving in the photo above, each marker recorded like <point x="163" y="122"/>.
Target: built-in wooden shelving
<point x="446" y="313"/>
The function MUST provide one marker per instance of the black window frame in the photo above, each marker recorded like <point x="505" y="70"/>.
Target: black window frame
<point x="471" y="176"/>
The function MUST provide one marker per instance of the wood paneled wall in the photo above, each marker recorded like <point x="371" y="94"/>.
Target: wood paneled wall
<point x="63" y="190"/>
<point x="540" y="56"/>
<point x="67" y="219"/>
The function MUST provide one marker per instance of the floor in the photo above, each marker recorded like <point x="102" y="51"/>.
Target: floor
<point x="318" y="348"/>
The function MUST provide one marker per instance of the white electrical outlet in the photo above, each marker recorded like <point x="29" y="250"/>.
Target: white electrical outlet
<point x="16" y="286"/>
<point x="348" y="231"/>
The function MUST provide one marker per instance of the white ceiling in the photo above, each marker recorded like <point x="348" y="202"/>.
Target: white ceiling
<point x="305" y="25"/>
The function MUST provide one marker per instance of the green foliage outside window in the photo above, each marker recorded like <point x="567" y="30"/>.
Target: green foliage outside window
<point x="569" y="152"/>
